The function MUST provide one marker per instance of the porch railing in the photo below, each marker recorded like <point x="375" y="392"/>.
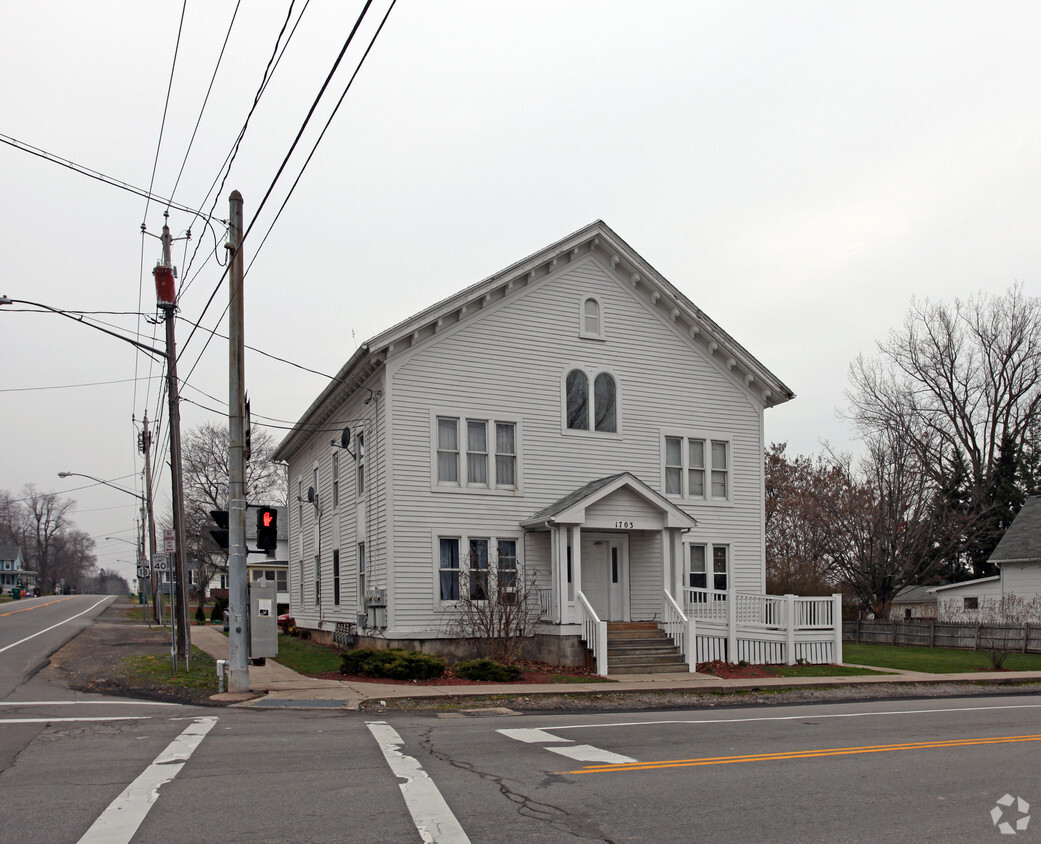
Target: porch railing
<point x="680" y="629"/>
<point x="764" y="628"/>
<point x="770" y="611"/>
<point x="594" y="632"/>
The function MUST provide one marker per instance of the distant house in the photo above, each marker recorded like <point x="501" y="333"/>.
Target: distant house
<point x="1018" y="558"/>
<point x="13" y="572"/>
<point x="914" y="602"/>
<point x="573" y="419"/>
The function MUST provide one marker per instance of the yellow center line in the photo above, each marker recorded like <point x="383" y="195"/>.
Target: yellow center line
<point x="36" y="606"/>
<point x="798" y="754"/>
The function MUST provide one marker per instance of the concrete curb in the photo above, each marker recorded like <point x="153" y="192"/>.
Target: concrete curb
<point x="273" y="684"/>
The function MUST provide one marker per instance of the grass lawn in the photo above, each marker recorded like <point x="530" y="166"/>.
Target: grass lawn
<point x="158" y="671"/>
<point x="306" y="657"/>
<point x="934" y="660"/>
<point x="819" y="670"/>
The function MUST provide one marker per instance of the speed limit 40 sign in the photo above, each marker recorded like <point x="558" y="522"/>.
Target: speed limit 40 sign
<point x="161" y="563"/>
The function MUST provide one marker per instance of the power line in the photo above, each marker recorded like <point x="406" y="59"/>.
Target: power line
<point x="71" y="386"/>
<point x="166" y="106"/>
<point x="229" y="159"/>
<point x="278" y="174"/>
<point x="94" y="174"/>
<point x="325" y="128"/>
<point x="205" y="100"/>
<point x="265" y="354"/>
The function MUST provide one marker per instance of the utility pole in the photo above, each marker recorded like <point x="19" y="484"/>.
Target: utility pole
<point x="238" y="609"/>
<point x="146" y="450"/>
<point x="164" y="282"/>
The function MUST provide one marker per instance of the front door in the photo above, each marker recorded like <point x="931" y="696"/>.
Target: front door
<point x="605" y="574"/>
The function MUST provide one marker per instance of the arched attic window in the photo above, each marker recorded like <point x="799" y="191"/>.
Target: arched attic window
<point x="591" y="319"/>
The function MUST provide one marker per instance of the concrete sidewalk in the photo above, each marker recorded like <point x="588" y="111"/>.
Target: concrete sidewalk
<point x="274" y="685"/>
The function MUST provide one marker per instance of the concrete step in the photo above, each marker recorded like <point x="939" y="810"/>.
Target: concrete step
<point x="662" y="650"/>
<point x="643" y="659"/>
<point x="651" y="668"/>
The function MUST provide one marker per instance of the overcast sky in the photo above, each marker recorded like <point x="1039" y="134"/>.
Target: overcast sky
<point x="799" y="170"/>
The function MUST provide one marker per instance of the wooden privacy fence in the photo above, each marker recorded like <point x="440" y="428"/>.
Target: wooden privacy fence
<point x="1021" y="638"/>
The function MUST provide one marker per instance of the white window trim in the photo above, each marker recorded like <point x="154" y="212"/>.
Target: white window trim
<point x="591" y="374"/>
<point x="463" y="485"/>
<point x="709" y="547"/>
<point x="708" y="438"/>
<point x="334" y="478"/>
<point x="464" y="538"/>
<point x="360" y="474"/>
<point x="600" y="335"/>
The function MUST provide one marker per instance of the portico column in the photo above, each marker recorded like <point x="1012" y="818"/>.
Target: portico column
<point x="576" y="557"/>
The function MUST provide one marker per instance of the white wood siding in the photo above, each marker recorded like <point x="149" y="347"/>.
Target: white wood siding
<point x="508" y="363"/>
<point x="354" y="520"/>
<point x="1022" y="579"/>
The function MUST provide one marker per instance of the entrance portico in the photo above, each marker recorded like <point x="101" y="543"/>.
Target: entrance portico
<point x="616" y="545"/>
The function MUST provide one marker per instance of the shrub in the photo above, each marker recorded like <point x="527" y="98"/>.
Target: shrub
<point x="393" y="663"/>
<point x="217" y="613"/>
<point x="200" y="614"/>
<point x="486" y="669"/>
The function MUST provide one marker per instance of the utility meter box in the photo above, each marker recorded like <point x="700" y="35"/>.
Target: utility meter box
<point x="263" y="620"/>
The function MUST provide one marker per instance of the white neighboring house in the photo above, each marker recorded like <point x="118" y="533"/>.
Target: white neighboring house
<point x="574" y="416"/>
<point x="1018" y="558"/>
<point x="13" y="573"/>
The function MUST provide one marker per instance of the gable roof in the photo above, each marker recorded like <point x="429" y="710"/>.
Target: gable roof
<point x="596" y="239"/>
<point x="915" y="595"/>
<point x="965" y="584"/>
<point x="1022" y="541"/>
<point x="10" y="552"/>
<point x="571" y="508"/>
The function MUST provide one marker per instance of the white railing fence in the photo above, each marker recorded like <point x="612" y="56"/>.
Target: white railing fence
<point x="680" y="629"/>
<point x="735" y="626"/>
<point x="594" y="632"/>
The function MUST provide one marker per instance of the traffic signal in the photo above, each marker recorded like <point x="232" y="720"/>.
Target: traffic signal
<point x="220" y="536"/>
<point x="267" y="528"/>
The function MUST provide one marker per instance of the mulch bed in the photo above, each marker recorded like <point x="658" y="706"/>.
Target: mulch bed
<point x="532" y="673"/>
<point x="727" y="671"/>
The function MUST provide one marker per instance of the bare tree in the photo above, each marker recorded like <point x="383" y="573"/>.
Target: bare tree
<point x="45" y="517"/>
<point x="885" y="534"/>
<point x="798" y="529"/>
<point x="72" y="558"/>
<point x="204" y="455"/>
<point x="498" y="609"/>
<point x="960" y="384"/>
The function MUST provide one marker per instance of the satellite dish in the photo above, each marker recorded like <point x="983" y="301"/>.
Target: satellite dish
<point x="345" y="438"/>
<point x="310" y="495"/>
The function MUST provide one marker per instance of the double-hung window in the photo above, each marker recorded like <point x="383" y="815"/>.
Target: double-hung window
<point x="336" y="478"/>
<point x="336" y="578"/>
<point x="707" y="568"/>
<point x="467" y="568"/>
<point x="697" y="467"/>
<point x="479" y="453"/>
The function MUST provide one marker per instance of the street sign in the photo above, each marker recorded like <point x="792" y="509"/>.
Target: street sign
<point x="143" y="571"/>
<point x="161" y="562"/>
<point x="169" y="541"/>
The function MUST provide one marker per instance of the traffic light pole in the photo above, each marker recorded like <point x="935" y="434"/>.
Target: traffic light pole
<point x="238" y="628"/>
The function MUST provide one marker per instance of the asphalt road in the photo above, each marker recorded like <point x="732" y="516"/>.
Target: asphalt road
<point x="86" y="768"/>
